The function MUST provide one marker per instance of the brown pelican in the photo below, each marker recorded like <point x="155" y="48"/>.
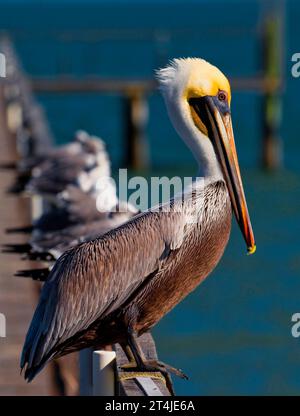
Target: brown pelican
<point x="114" y="288"/>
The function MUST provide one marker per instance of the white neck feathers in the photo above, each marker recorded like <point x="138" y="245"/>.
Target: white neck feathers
<point x="172" y="81"/>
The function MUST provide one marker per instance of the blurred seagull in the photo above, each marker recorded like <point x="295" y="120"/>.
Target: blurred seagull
<point x="25" y="166"/>
<point x="113" y="289"/>
<point x="82" y="164"/>
<point x="51" y="245"/>
<point x="81" y="217"/>
<point x="74" y="162"/>
<point x="73" y="206"/>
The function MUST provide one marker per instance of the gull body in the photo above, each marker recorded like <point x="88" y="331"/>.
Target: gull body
<point x="74" y="207"/>
<point x="31" y="171"/>
<point x="49" y="246"/>
<point x="81" y="163"/>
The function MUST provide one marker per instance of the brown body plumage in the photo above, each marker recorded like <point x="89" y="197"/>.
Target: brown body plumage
<point x="120" y="288"/>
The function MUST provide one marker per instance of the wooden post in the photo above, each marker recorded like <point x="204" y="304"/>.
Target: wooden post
<point x="135" y="119"/>
<point x="104" y="373"/>
<point x="154" y="384"/>
<point x="85" y="372"/>
<point x="272" y="145"/>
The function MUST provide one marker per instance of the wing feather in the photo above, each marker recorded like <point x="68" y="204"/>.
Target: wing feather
<point x="95" y="278"/>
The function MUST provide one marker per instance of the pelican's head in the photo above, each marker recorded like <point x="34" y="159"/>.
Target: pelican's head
<point x="198" y="96"/>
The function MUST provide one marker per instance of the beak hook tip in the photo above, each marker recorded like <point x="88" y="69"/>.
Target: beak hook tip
<point x="251" y="250"/>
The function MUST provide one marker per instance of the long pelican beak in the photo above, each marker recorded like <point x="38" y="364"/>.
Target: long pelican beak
<point x="216" y="116"/>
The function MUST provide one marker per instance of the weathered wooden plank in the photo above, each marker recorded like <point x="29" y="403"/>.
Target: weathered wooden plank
<point x="17" y="297"/>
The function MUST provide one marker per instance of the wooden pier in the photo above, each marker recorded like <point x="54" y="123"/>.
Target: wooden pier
<point x="17" y="296"/>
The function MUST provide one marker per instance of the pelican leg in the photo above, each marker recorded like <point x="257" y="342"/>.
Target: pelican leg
<point x="129" y="355"/>
<point x="138" y="361"/>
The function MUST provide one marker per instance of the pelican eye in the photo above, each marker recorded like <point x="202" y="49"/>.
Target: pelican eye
<point x="222" y="96"/>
